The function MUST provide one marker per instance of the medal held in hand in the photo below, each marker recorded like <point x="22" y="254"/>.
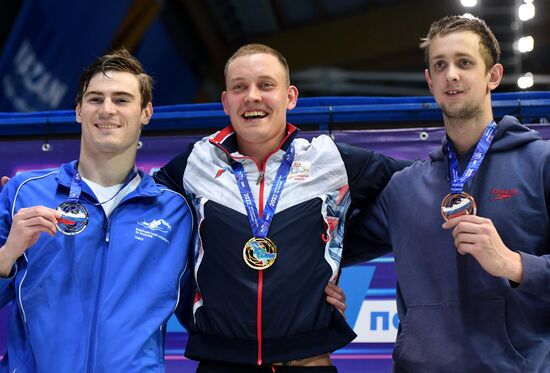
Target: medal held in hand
<point x="455" y="205"/>
<point x="73" y="219"/>
<point x="458" y="202"/>
<point x="259" y="253"/>
<point x="74" y="216"/>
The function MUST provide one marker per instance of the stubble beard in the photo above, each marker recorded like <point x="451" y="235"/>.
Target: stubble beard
<point x="463" y="112"/>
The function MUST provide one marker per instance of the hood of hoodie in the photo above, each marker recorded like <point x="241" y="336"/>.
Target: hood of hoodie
<point x="510" y="134"/>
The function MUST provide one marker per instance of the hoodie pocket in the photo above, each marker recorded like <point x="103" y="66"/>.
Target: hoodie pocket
<point x="457" y="336"/>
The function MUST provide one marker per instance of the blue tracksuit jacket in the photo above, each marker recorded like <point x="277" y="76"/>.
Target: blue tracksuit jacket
<point x="97" y="301"/>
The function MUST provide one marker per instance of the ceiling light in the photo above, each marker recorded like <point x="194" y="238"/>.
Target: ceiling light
<point x="468" y="3"/>
<point x="526" y="11"/>
<point x="526" y="44"/>
<point x="526" y="81"/>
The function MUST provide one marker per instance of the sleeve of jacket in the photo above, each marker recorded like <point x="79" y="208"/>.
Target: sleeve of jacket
<point x="184" y="310"/>
<point x="7" y="293"/>
<point x="368" y="236"/>
<point x="171" y="174"/>
<point x="536" y="268"/>
<point x="184" y="229"/>
<point x="368" y="172"/>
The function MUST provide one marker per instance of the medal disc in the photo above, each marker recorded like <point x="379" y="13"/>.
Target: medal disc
<point x="259" y="253"/>
<point x="74" y="218"/>
<point x="454" y="205"/>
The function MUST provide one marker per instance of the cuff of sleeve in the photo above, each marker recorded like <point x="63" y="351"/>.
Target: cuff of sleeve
<point x="12" y="274"/>
<point x="535" y="272"/>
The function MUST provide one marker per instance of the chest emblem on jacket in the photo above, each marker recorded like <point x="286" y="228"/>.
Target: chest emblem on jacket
<point x="499" y="194"/>
<point x="300" y="171"/>
<point x="157" y="228"/>
<point x="221" y="171"/>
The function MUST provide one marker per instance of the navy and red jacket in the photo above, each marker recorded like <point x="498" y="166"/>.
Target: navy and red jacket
<point x="243" y="315"/>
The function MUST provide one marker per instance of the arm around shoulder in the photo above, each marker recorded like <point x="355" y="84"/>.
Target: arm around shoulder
<point x="368" y="171"/>
<point x="367" y="234"/>
<point x="171" y="174"/>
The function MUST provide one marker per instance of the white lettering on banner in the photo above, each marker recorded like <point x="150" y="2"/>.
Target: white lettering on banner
<point x="34" y="78"/>
<point x="377" y="322"/>
<point x="9" y="91"/>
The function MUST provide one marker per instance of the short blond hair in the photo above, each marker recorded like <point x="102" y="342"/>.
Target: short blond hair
<point x="250" y="49"/>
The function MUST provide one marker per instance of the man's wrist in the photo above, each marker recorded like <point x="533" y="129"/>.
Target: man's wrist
<point x="6" y="262"/>
<point x="514" y="268"/>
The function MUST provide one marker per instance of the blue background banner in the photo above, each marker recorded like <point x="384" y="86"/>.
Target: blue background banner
<point x="34" y="69"/>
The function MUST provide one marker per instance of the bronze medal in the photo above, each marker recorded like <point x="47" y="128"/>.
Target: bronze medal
<point x="454" y="205"/>
<point x="74" y="218"/>
<point x="259" y="253"/>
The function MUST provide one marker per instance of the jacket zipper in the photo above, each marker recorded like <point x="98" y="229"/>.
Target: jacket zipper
<point x="261" y="272"/>
<point x="92" y="340"/>
<point x="259" y="180"/>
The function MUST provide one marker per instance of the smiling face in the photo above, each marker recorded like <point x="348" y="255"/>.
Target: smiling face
<point x="111" y="115"/>
<point x="256" y="99"/>
<point x="458" y="77"/>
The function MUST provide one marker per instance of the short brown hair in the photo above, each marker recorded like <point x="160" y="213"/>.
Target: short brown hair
<point x="489" y="48"/>
<point x="118" y="60"/>
<point x="250" y="49"/>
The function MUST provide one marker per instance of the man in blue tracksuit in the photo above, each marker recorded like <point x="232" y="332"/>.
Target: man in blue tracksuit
<point x="93" y="253"/>
<point x="470" y="228"/>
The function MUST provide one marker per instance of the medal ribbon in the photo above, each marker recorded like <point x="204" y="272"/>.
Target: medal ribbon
<point x="457" y="181"/>
<point x="260" y="225"/>
<point x="76" y="187"/>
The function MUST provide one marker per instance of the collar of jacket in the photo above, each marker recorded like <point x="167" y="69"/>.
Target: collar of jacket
<point x="510" y="134"/>
<point x="226" y="139"/>
<point x="147" y="186"/>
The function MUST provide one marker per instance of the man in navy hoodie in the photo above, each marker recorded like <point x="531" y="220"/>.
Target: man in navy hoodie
<point x="474" y="271"/>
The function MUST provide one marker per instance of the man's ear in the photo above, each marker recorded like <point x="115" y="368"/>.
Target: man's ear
<point x="77" y="113"/>
<point x="224" y="102"/>
<point x="495" y="76"/>
<point x="146" y="114"/>
<point x="292" y="95"/>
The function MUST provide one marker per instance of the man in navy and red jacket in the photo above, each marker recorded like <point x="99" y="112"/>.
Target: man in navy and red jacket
<point x="271" y="211"/>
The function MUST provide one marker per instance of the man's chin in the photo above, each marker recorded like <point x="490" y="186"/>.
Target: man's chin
<point x="462" y="112"/>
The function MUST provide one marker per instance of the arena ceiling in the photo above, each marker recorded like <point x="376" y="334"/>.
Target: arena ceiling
<point x="334" y="47"/>
<point x="360" y="47"/>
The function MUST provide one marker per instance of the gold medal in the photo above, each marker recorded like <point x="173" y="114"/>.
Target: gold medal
<point x="259" y="253"/>
<point x="454" y="205"/>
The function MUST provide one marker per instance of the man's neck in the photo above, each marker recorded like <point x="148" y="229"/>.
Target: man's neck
<point x="259" y="151"/>
<point x="107" y="171"/>
<point x="466" y="134"/>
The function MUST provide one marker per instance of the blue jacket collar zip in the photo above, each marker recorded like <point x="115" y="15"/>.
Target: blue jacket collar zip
<point x="146" y="188"/>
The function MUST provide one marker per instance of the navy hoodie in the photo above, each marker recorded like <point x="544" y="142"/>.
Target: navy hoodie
<point x="456" y="317"/>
